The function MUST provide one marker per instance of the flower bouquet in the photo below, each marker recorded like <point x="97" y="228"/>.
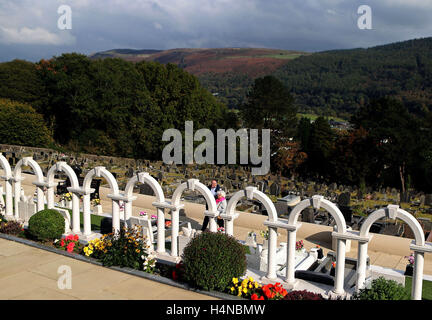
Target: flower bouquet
<point x="410" y="266"/>
<point x="69" y="243"/>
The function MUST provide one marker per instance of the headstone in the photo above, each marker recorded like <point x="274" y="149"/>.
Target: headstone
<point x="428" y="199"/>
<point x="344" y="199"/>
<point x="129" y="173"/>
<point x="146" y="189"/>
<point x="422" y="200"/>
<point x="308" y="215"/>
<point x="275" y="189"/>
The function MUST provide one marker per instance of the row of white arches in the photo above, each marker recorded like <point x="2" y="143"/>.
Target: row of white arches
<point x="14" y="178"/>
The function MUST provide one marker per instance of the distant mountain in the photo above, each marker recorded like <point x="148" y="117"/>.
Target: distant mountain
<point x="226" y="72"/>
<point x="333" y="83"/>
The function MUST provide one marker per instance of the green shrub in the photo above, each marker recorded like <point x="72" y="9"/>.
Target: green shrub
<point x="211" y="260"/>
<point x="382" y="289"/>
<point x="46" y="225"/>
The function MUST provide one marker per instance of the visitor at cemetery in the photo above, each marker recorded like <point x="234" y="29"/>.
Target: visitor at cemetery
<point x="214" y="187"/>
<point x="221" y="206"/>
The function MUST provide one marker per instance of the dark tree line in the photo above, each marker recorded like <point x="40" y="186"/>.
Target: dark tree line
<point x="111" y="106"/>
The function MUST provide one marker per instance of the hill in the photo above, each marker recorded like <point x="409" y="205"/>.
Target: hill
<point x="339" y="82"/>
<point x="226" y="72"/>
<point x="332" y="83"/>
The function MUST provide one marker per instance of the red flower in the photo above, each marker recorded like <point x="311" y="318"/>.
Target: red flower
<point x="254" y="297"/>
<point x="62" y="242"/>
<point x="174" y="275"/>
<point x="76" y="238"/>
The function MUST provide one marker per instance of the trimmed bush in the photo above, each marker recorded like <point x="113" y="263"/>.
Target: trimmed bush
<point x="212" y="260"/>
<point x="46" y="225"/>
<point x="382" y="289"/>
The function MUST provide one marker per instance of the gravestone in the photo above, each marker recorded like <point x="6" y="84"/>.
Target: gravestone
<point x="428" y="199"/>
<point x="129" y="173"/>
<point x="422" y="200"/>
<point x="308" y="215"/>
<point x="344" y="199"/>
<point x="146" y="189"/>
<point x="275" y="189"/>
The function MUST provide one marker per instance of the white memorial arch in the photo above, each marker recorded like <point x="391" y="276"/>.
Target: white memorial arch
<point x="341" y="235"/>
<point x="39" y="183"/>
<point x="114" y="196"/>
<point x="212" y="213"/>
<point x="160" y="204"/>
<point x="272" y="222"/>
<point x="419" y="246"/>
<point x="74" y="189"/>
<point x="8" y="178"/>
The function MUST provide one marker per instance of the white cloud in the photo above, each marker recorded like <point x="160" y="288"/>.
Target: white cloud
<point x="38" y="36"/>
<point x="158" y="26"/>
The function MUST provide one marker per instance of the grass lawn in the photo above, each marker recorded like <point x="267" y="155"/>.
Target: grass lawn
<point x="427" y="288"/>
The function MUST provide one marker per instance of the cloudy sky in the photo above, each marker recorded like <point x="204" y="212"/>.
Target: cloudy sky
<point x="29" y="29"/>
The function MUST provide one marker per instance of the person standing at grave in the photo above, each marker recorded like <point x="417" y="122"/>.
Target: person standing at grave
<point x="221" y="207"/>
<point x="214" y="187"/>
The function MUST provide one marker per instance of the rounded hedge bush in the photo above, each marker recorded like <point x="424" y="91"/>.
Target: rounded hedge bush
<point x="382" y="289"/>
<point x="211" y="260"/>
<point x="46" y="225"/>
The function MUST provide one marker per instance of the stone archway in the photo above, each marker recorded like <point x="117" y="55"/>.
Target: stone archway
<point x="8" y="178"/>
<point x="62" y="166"/>
<point x="39" y="183"/>
<point x="191" y="184"/>
<point x="272" y="222"/>
<point x="419" y="247"/>
<point x="146" y="178"/>
<point x="115" y="196"/>
<point x="318" y="202"/>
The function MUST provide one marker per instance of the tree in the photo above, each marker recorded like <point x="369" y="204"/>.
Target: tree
<point x="394" y="132"/>
<point x="20" y="124"/>
<point x="321" y="142"/>
<point x="270" y="106"/>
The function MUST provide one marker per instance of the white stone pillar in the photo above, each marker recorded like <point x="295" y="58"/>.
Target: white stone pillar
<point x="271" y="262"/>
<point x="290" y="267"/>
<point x="213" y="224"/>
<point x="17" y="194"/>
<point x="361" y="265"/>
<point x="416" y="290"/>
<point x="76" y="212"/>
<point x="160" y="230"/>
<point x="340" y="267"/>
<point x="50" y="197"/>
<point x="86" y="216"/>
<point x="115" y="215"/>
<point x="40" y="199"/>
<point x="127" y="210"/>
<point x="229" y="226"/>
<point x="9" y="203"/>
<point x="175" y="232"/>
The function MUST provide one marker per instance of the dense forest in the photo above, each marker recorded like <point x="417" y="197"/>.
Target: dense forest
<point x="109" y="106"/>
<point x="337" y="83"/>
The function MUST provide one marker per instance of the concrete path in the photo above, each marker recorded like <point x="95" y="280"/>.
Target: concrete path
<point x="28" y="273"/>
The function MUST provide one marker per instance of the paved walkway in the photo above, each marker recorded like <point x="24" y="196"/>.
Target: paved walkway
<point x="31" y="273"/>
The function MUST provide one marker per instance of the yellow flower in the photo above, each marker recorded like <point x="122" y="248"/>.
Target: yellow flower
<point x="235" y="280"/>
<point x="232" y="289"/>
<point x="244" y="290"/>
<point x="251" y="279"/>
<point x="250" y="285"/>
<point x="137" y="251"/>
